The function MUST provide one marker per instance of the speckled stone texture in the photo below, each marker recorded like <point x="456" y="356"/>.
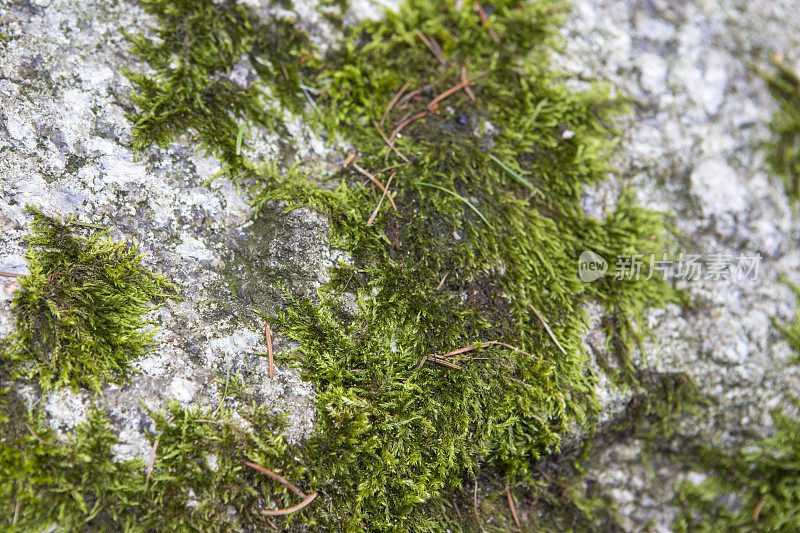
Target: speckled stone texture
<point x="691" y="147"/>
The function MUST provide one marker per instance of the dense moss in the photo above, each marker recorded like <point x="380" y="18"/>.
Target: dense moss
<point x="80" y="310"/>
<point x="783" y="151"/>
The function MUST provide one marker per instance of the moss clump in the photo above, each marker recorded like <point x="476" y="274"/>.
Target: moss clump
<point x="783" y="152"/>
<point x="196" y="480"/>
<point x="196" y="47"/>
<point x="80" y="311"/>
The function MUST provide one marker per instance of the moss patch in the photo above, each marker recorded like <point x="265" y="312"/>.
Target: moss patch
<point x="80" y="311"/>
<point x="472" y="257"/>
<point x="783" y="152"/>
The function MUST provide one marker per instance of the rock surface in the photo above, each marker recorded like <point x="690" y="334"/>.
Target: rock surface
<point x="690" y="147"/>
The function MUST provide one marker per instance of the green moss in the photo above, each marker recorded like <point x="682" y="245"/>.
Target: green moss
<point x="483" y="247"/>
<point x="80" y="310"/>
<point x="783" y="152"/>
<point x="196" y="480"/>
<point x="193" y="53"/>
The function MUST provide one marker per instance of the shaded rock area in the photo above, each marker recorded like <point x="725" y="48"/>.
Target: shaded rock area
<point x="690" y="147"/>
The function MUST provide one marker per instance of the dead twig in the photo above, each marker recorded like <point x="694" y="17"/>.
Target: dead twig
<point x="374" y="180"/>
<point x="268" y="336"/>
<point x="392" y="102"/>
<point x="389" y="143"/>
<point x="380" y="202"/>
<point x="512" y="507"/>
<point x="546" y="327"/>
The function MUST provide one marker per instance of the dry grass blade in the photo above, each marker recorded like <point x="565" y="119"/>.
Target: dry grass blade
<point x="280" y="479"/>
<point x="374" y="180"/>
<point x="550" y="331"/>
<point x="268" y="336"/>
<point x="512" y="507"/>
<point x="393" y="101"/>
<point x="380" y="202"/>
<point x="472" y="347"/>
<point x="455" y="88"/>
<point x="389" y="143"/>
<point x="293" y="509"/>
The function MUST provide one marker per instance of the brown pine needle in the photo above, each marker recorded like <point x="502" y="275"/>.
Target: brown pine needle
<point x="289" y="510"/>
<point x="475" y="506"/>
<point x="152" y="461"/>
<point x="390" y="167"/>
<point x="280" y="479"/>
<point x="550" y="331"/>
<point x="352" y="155"/>
<point x="439" y="286"/>
<point x="758" y="508"/>
<point x="11" y="275"/>
<point x="434" y="47"/>
<point x="268" y="336"/>
<point x="512" y="507"/>
<point x="406" y="122"/>
<point x="380" y="202"/>
<point x="374" y="180"/>
<point x="464" y="80"/>
<point x="485" y="22"/>
<point x="455" y="88"/>
<point x="393" y="101"/>
<point x="472" y="347"/>
<point x="444" y="362"/>
<point x="416" y="92"/>
<point x="389" y="143"/>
